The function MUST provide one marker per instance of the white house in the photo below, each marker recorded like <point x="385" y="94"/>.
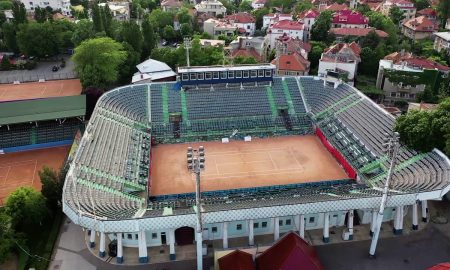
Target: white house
<point x="271" y="19"/>
<point x="442" y="41"/>
<point x="308" y="18"/>
<point x="212" y="7"/>
<point x="216" y="28"/>
<point x="257" y="4"/>
<point x="63" y="5"/>
<point x="294" y="29"/>
<point x="342" y="58"/>
<point x="243" y="20"/>
<point x="349" y="19"/>
<point x="119" y="10"/>
<point x="408" y="8"/>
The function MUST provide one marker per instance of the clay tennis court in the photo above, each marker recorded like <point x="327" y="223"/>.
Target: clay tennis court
<point x="21" y="168"/>
<point x="239" y="164"/>
<point x="59" y="88"/>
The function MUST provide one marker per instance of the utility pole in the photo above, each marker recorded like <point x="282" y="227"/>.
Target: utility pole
<point x="391" y="146"/>
<point x="187" y="46"/>
<point x="196" y="164"/>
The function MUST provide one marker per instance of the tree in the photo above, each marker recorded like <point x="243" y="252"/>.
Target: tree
<point x="6" y="237"/>
<point x="245" y="6"/>
<point x="316" y="53"/>
<point x="245" y="60"/>
<point x="396" y="15"/>
<point x="84" y="29"/>
<point x="38" y="39"/>
<point x="160" y="19"/>
<point x="92" y="95"/>
<point x="379" y="21"/>
<point x="259" y="14"/>
<point x="6" y="5"/>
<point x="183" y="16"/>
<point x="2" y="18"/>
<point x="149" y="38"/>
<point x="319" y="31"/>
<point x="131" y="34"/>
<point x="128" y="67"/>
<point x="26" y="207"/>
<point x="9" y="37"/>
<point x="5" y="64"/>
<point x="421" y="4"/>
<point x="97" y="18"/>
<point x="169" y="33"/>
<point x="51" y="187"/>
<point x="185" y="29"/>
<point x="43" y="14"/>
<point x="443" y="11"/>
<point x="303" y="5"/>
<point x="19" y="13"/>
<point x="370" y="59"/>
<point x="97" y="61"/>
<point x="371" y="40"/>
<point x="107" y="20"/>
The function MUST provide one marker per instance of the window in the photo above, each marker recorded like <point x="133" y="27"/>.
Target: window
<point x="230" y="74"/>
<point x="268" y="73"/>
<point x="253" y="73"/>
<point x="311" y="219"/>
<point x="256" y="225"/>
<point x="154" y="235"/>
<point x="193" y="76"/>
<point x="136" y="236"/>
<point x="248" y="27"/>
<point x="208" y="76"/>
<point x="223" y="75"/>
<point x="288" y="222"/>
<point x="129" y="236"/>
<point x="238" y="227"/>
<point x="260" y="73"/>
<point x="214" y="229"/>
<point x="31" y="3"/>
<point x="200" y="76"/>
<point x="238" y="73"/>
<point x="185" y="77"/>
<point x="393" y="94"/>
<point x="264" y="224"/>
<point x="215" y="75"/>
<point x="280" y="222"/>
<point x="245" y="74"/>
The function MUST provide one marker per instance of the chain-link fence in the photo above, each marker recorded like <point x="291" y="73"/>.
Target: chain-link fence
<point x="36" y="77"/>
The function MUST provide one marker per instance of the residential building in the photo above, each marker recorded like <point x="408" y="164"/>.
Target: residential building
<point x="119" y="10"/>
<point x="291" y="45"/>
<point x="321" y="4"/>
<point x="293" y="29"/>
<point x="255" y="47"/>
<point x="355" y="33"/>
<point x="349" y="19"/>
<point x="342" y="58"/>
<point x="422" y="106"/>
<point x="216" y="28"/>
<point x="212" y="7"/>
<point x="257" y="4"/>
<point x="171" y="5"/>
<point x="442" y="41"/>
<point x="408" y="8"/>
<point x="202" y="18"/>
<point x="8" y="15"/>
<point x="63" y="5"/>
<point x="291" y="65"/>
<point x="243" y="20"/>
<point x="419" y="28"/>
<point x="336" y="7"/>
<point x="212" y="42"/>
<point x="270" y="19"/>
<point x="407" y="64"/>
<point x="308" y="18"/>
<point x="429" y="13"/>
<point x="153" y="71"/>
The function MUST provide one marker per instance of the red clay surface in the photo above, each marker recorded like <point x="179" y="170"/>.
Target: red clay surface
<point x="21" y="168"/>
<point x="239" y="164"/>
<point x="59" y="88"/>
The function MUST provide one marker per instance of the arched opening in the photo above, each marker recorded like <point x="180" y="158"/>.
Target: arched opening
<point x="184" y="236"/>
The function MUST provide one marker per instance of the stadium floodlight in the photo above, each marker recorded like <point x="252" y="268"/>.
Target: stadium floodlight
<point x="196" y="164"/>
<point x="187" y="45"/>
<point x="393" y="146"/>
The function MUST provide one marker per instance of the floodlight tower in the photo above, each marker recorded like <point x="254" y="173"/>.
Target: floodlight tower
<point x="391" y="146"/>
<point x="196" y="164"/>
<point x="187" y="46"/>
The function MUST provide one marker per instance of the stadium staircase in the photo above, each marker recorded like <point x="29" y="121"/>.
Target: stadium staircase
<point x="165" y="104"/>
<point x="184" y="110"/>
<point x="273" y="106"/>
<point x="287" y="94"/>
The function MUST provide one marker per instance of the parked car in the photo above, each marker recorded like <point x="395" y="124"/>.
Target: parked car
<point x="55" y="68"/>
<point x="164" y="42"/>
<point x="175" y="45"/>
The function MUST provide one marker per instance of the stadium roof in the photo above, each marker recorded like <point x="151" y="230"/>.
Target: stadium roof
<point x="42" y="109"/>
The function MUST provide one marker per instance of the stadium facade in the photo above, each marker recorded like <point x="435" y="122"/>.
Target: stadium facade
<point x="108" y="189"/>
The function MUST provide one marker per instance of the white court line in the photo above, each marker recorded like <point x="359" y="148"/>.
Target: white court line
<point x="61" y="89"/>
<point x="242" y="151"/>
<point x="262" y="172"/>
<point x="9" y="164"/>
<point x="218" y="171"/>
<point x="34" y="173"/>
<point x="43" y="90"/>
<point x="271" y="159"/>
<point x="298" y="163"/>
<point x="6" y="176"/>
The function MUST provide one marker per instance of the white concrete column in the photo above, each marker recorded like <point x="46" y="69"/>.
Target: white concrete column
<point x="350" y="223"/>
<point x="172" y="244"/>
<point x="302" y="226"/>
<point x="373" y="222"/>
<point x="276" y="228"/>
<point x="251" y="235"/>
<point x="424" y="211"/>
<point x="326" y="227"/>
<point x="398" y="221"/>
<point x="92" y="239"/>
<point x="415" y="218"/>
<point x="101" y="251"/>
<point x="119" y="248"/>
<point x="225" y="234"/>
<point x="143" y="256"/>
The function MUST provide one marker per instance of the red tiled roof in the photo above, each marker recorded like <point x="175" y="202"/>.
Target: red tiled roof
<point x="349" y="17"/>
<point x="237" y="260"/>
<point x="250" y="52"/>
<point x="294" y="44"/>
<point x="357" y="32"/>
<point x="441" y="266"/>
<point x="336" y="7"/>
<point x="428" y="12"/>
<point x="339" y="46"/>
<point x="288" y="25"/>
<point x="171" y="3"/>
<point x="241" y="17"/>
<point x="260" y="1"/>
<point x="291" y="62"/>
<point x="426" y="64"/>
<point x="289" y="252"/>
<point x="421" y="24"/>
<point x="312" y="13"/>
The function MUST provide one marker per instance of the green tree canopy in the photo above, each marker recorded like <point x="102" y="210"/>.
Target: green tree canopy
<point x="421" y="4"/>
<point x="183" y="16"/>
<point x="317" y="48"/>
<point x="38" y="39"/>
<point x="26" y="207"/>
<point x="160" y="19"/>
<point x="6" y="5"/>
<point x="10" y="37"/>
<point x="444" y="11"/>
<point x="150" y="38"/>
<point x="97" y="61"/>
<point x="131" y="34"/>
<point x="51" y="187"/>
<point x="169" y="33"/>
<point x="245" y="6"/>
<point x="259" y="14"/>
<point x="84" y="29"/>
<point x="19" y="12"/>
<point x="319" y="31"/>
<point x="6" y="236"/>
<point x="396" y="15"/>
<point x="303" y="5"/>
<point x="186" y="29"/>
<point x="128" y="67"/>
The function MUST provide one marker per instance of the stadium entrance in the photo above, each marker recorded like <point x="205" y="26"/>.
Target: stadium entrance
<point x="184" y="236"/>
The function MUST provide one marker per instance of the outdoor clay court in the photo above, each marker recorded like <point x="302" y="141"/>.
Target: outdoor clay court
<point x="59" y="88"/>
<point x="239" y="164"/>
<point x="21" y="168"/>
